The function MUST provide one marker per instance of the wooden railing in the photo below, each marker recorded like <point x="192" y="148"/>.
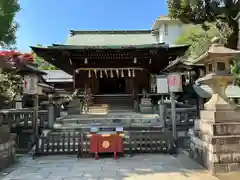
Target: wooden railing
<point x="78" y="142"/>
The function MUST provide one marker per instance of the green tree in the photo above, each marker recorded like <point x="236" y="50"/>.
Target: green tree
<point x="8" y="26"/>
<point x="10" y="84"/>
<point x="198" y="39"/>
<point x="42" y="64"/>
<point x="224" y="13"/>
<point x="10" y="87"/>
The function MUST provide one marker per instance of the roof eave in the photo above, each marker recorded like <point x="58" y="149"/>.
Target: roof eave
<point x="201" y="58"/>
<point x="155" y="25"/>
<point x="158" y="22"/>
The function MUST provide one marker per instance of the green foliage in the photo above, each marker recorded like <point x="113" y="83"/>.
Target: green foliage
<point x="42" y="64"/>
<point x="198" y="39"/>
<point x="10" y="86"/>
<point x="235" y="70"/>
<point x="8" y="26"/>
<point x="222" y="12"/>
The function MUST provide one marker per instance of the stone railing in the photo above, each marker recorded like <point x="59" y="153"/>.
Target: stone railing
<point x="185" y="118"/>
<point x="7" y="146"/>
<point x="21" y="122"/>
<point x="22" y="118"/>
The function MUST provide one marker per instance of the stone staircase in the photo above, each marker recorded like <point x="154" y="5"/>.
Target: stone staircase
<point x="98" y="109"/>
<point x="104" y="104"/>
<point x="115" y="103"/>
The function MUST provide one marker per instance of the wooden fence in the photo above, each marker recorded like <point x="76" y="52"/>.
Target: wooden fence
<point x="77" y="142"/>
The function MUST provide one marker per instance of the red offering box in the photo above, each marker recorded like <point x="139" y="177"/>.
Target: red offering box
<point x="102" y="143"/>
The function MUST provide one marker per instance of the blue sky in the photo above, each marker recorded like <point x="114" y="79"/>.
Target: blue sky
<point x="49" y="21"/>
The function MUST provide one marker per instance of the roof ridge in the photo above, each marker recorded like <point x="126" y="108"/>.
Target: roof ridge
<point x="138" y="31"/>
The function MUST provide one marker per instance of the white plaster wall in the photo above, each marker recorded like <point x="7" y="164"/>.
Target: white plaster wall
<point x="174" y="31"/>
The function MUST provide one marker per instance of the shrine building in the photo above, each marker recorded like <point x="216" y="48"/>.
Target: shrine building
<point x="111" y="62"/>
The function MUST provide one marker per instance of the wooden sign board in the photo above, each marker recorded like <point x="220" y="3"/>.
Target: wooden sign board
<point x="175" y="82"/>
<point x="162" y="85"/>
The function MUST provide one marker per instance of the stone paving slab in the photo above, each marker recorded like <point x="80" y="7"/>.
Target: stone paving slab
<point x="140" y="167"/>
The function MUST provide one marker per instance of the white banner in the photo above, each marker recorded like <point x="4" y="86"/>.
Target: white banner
<point x="162" y="85"/>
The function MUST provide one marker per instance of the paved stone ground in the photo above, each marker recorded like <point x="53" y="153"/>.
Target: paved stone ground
<point x="140" y="167"/>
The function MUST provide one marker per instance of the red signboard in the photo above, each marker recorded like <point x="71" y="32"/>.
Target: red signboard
<point x="172" y="81"/>
<point x="104" y="144"/>
<point x="175" y="82"/>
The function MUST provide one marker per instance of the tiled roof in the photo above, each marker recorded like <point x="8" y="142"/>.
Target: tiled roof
<point x="57" y="76"/>
<point x="108" y="38"/>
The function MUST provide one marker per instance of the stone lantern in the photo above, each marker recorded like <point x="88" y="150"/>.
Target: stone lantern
<point x="215" y="140"/>
<point x="217" y="61"/>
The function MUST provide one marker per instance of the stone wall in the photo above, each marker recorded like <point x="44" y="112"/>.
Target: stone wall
<point x="7" y="146"/>
<point x="215" y="141"/>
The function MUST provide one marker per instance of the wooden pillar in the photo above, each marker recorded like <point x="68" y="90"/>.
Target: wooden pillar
<point x="133" y="91"/>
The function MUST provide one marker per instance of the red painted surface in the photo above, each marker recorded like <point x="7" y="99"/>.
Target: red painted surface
<point x="104" y="144"/>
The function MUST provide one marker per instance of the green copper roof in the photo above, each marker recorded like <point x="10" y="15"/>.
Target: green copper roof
<point x="112" y="38"/>
<point x="140" y="46"/>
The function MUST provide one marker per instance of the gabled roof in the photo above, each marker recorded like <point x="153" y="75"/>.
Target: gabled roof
<point x="111" y="38"/>
<point x="57" y="76"/>
<point x="181" y="63"/>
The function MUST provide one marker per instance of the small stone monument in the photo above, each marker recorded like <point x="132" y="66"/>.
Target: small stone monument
<point x="215" y="140"/>
<point x="146" y="106"/>
<point x="18" y="104"/>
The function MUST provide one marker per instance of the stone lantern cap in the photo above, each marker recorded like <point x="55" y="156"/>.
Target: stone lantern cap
<point x="216" y="51"/>
<point x="217" y="62"/>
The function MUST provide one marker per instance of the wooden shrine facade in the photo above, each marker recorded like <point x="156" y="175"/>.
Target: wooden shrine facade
<point x="111" y="69"/>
